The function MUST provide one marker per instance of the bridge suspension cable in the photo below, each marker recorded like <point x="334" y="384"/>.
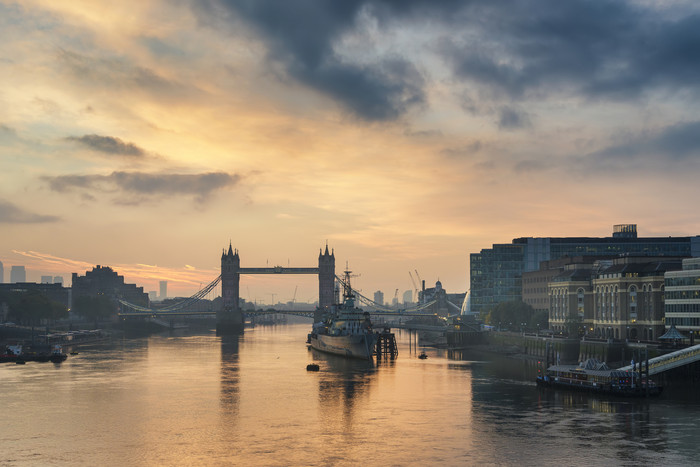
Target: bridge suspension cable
<point x="178" y="305"/>
<point x="381" y="307"/>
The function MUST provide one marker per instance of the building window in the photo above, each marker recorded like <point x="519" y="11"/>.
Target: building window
<point x="633" y="302"/>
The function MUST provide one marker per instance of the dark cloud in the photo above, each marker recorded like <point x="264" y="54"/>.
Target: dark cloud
<point x="11" y="214"/>
<point x="513" y="119"/>
<point x="511" y="49"/>
<point x="679" y="143"/>
<point x="605" y="48"/>
<point x="108" y="145"/>
<point x="301" y="36"/>
<point x="144" y="185"/>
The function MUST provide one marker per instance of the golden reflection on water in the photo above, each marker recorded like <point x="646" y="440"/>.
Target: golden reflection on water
<point x="248" y="400"/>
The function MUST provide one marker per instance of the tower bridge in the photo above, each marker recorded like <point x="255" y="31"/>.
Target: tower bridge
<point x="230" y="317"/>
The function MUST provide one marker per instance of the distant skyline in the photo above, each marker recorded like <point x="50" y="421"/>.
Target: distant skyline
<point x="147" y="135"/>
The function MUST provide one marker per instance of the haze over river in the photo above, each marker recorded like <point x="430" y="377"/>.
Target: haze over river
<point x="248" y="400"/>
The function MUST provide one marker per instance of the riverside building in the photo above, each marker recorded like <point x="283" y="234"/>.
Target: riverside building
<point x="682" y="297"/>
<point x="496" y="273"/>
<point x="608" y="297"/>
<point x="102" y="280"/>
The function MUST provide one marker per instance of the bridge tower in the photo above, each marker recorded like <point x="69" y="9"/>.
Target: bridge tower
<point x="326" y="282"/>
<point x="230" y="318"/>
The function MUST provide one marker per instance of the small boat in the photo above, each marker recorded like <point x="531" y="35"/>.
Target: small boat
<point x="312" y="367"/>
<point x="423" y="355"/>
<point x="594" y="376"/>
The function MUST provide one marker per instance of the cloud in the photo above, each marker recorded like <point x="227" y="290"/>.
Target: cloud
<point x="513" y="119"/>
<point x="302" y="36"/>
<point x="512" y="49"/>
<point x="119" y="74"/>
<point x="12" y="214"/>
<point x="145" y="185"/>
<point x="108" y="145"/>
<point x="678" y="143"/>
<point x="607" y="48"/>
<point x="7" y="134"/>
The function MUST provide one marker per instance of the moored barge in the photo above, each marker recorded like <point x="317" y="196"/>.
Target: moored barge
<point x="594" y="376"/>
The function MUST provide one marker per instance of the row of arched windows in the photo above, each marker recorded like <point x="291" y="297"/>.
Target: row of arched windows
<point x="640" y="303"/>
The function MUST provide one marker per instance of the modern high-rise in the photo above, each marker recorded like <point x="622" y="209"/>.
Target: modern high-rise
<point x="408" y="297"/>
<point x="58" y="279"/>
<point x="18" y="274"/>
<point x="47" y="279"/>
<point x="2" y="273"/>
<point x="496" y="272"/>
<point x="163" y="290"/>
<point x="682" y="297"/>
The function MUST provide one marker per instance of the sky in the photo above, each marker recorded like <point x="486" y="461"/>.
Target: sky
<point x="150" y="135"/>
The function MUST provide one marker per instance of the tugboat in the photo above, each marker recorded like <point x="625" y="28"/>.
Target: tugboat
<point x="346" y="330"/>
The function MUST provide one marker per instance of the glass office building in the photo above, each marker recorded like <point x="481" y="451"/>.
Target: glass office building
<point x="682" y="297"/>
<point x="496" y="272"/>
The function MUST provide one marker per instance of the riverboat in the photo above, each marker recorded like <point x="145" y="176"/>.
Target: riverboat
<point x="594" y="376"/>
<point x="12" y="353"/>
<point x="346" y="330"/>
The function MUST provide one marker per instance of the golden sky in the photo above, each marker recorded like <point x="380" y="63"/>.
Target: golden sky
<point x="146" y="135"/>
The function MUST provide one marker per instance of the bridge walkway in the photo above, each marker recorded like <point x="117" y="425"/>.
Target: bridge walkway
<point x="672" y="360"/>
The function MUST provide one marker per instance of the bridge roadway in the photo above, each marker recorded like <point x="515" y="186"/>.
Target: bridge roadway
<point x="308" y="313"/>
<point x="671" y="360"/>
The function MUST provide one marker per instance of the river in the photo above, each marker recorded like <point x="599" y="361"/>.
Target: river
<point x="199" y="399"/>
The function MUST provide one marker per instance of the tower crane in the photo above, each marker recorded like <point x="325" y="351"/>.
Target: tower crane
<point x="422" y="286"/>
<point x="415" y="287"/>
<point x="418" y="276"/>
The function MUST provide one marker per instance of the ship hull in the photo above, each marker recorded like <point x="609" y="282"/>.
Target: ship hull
<point x="351" y="346"/>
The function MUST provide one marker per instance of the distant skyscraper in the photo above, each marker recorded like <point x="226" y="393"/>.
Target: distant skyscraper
<point x="2" y="273"/>
<point x="408" y="296"/>
<point x="163" y="290"/>
<point x="46" y="280"/>
<point x="58" y="279"/>
<point x="18" y="274"/>
<point x="379" y="298"/>
<point x="153" y="295"/>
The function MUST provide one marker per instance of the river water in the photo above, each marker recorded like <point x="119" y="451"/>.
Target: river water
<point x="248" y="400"/>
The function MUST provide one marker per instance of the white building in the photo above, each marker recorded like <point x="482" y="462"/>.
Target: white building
<point x="682" y="296"/>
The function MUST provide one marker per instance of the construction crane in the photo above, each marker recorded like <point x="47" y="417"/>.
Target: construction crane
<point x="422" y="286"/>
<point x="415" y="287"/>
<point x="420" y="281"/>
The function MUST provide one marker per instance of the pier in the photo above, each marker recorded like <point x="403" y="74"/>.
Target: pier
<point x="386" y="345"/>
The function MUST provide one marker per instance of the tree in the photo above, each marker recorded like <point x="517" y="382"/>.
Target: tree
<point x="96" y="308"/>
<point x="32" y="306"/>
<point x="514" y="314"/>
<point x="574" y="326"/>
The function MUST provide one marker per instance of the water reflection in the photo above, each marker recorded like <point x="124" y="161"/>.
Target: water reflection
<point x="230" y="373"/>
<point x="342" y="384"/>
